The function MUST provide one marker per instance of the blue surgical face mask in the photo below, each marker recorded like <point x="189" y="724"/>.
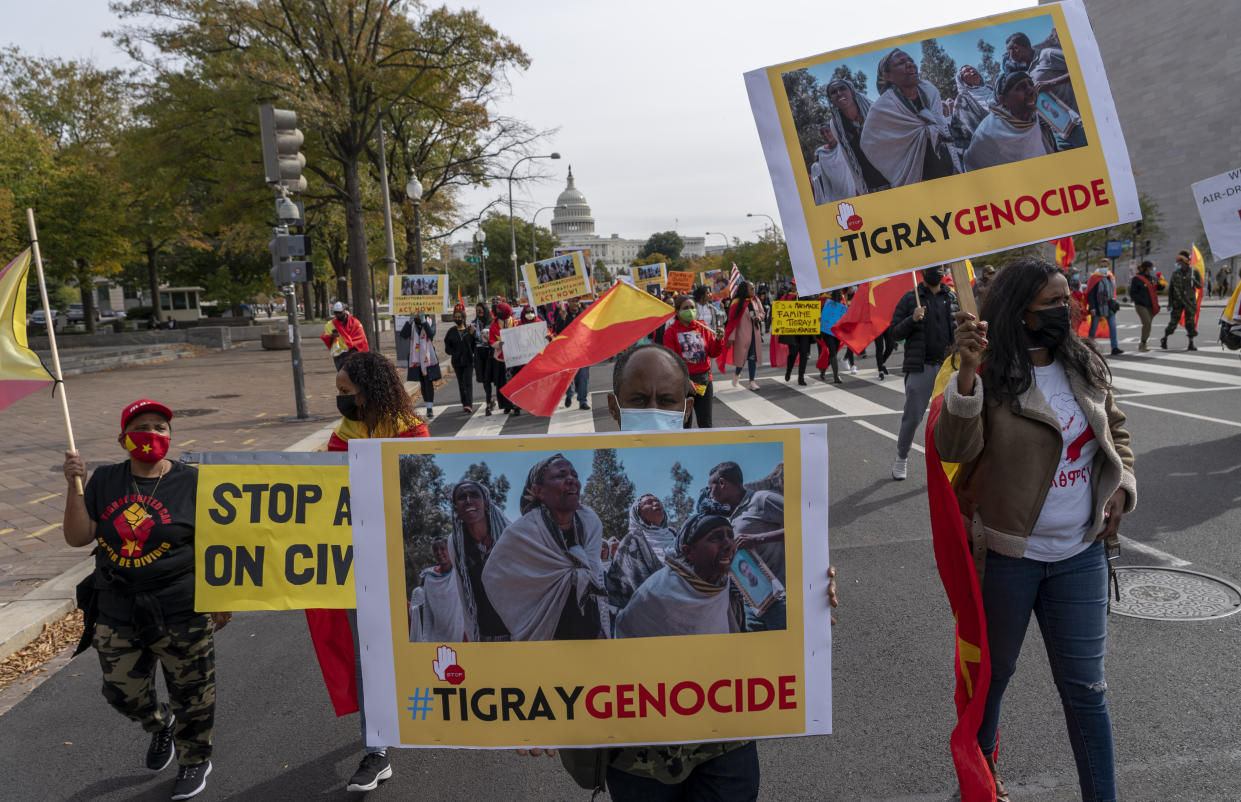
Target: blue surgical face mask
<point x="651" y="420"/>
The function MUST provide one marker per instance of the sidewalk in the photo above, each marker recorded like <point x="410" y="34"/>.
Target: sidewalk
<point x="235" y="400"/>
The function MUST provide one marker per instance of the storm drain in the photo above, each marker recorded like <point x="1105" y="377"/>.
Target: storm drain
<point x="1174" y="594"/>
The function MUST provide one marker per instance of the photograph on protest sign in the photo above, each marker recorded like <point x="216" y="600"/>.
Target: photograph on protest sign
<point x="274" y="536"/>
<point x="523" y="343"/>
<point x="651" y="278"/>
<point x="1219" y="206"/>
<point x="557" y="279"/>
<point x="716" y="281"/>
<point x="495" y="561"/>
<point x="587" y="259"/>
<point x="971" y="138"/>
<point x="795" y="317"/>
<point x="427" y="295"/>
<point x="681" y="281"/>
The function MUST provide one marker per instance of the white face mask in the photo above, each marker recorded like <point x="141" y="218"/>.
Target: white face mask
<point x="651" y="420"/>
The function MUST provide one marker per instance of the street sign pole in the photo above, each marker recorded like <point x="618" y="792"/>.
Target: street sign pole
<point x="295" y="343"/>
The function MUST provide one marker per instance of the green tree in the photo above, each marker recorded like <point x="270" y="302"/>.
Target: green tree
<point x="679" y="504"/>
<point x="424" y="512"/>
<point x="810" y="109"/>
<point x="609" y="492"/>
<point x="858" y="79"/>
<point x="667" y="243"/>
<point x="499" y="265"/>
<point x="938" y="68"/>
<point x="338" y="64"/>
<point x="988" y="67"/>
<point x="498" y="487"/>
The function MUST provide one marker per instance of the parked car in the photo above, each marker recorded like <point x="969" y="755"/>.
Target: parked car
<point x="76" y="313"/>
<point x="108" y="315"/>
<point x="37" y="318"/>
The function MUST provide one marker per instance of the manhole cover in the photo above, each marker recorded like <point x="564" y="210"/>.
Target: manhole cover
<point x="191" y="413"/>
<point x="226" y="395"/>
<point x="1173" y="594"/>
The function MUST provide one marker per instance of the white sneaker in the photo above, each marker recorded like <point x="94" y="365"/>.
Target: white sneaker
<point x="753" y="384"/>
<point x="736" y="379"/>
<point x="853" y="369"/>
<point x="900" y="469"/>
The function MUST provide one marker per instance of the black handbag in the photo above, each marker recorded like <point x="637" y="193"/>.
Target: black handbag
<point x="1113" y="305"/>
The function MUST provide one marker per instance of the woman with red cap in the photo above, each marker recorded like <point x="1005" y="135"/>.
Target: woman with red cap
<point x="140" y="515"/>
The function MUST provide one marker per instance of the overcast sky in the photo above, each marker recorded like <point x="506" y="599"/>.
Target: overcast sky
<point x="647" y="94"/>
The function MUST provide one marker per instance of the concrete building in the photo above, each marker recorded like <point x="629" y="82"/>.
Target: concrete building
<point x="1175" y="90"/>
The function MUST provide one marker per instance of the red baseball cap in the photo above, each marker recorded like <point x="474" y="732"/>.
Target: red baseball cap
<point x="144" y="405"/>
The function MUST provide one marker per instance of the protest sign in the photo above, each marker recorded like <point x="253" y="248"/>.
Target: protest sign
<point x="716" y="281"/>
<point x="587" y="260"/>
<point x="794" y="317"/>
<point x="651" y="278"/>
<point x="680" y="281"/>
<point x="652" y="650"/>
<point x="274" y="537"/>
<point x="916" y="172"/>
<point x="523" y="343"/>
<point x="1219" y="206"/>
<point x="831" y="313"/>
<point x="557" y="279"/>
<point x="425" y="294"/>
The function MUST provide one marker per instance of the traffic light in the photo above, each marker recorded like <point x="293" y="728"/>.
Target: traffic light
<point x="1146" y="248"/>
<point x="288" y="264"/>
<point x="282" y="159"/>
<point x="1137" y="229"/>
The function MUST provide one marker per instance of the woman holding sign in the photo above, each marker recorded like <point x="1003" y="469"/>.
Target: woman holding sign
<point x="140" y="513"/>
<point x="1048" y="474"/>
<point x="696" y="344"/>
<point x="373" y="403"/>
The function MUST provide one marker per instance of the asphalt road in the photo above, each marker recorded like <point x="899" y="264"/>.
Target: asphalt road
<point x="1170" y="684"/>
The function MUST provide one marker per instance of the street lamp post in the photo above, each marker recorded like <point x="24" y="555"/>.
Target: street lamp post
<point x="413" y="190"/>
<point x="775" y="227"/>
<point x="479" y="238"/>
<point x="719" y="234"/>
<point x="512" y="231"/>
<point x="534" y="254"/>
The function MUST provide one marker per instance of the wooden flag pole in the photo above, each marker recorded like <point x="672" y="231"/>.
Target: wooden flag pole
<point x="965" y="293"/>
<point x="51" y="338"/>
<point x="917" y="298"/>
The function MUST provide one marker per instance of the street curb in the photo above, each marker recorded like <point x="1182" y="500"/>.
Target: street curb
<point x="22" y="621"/>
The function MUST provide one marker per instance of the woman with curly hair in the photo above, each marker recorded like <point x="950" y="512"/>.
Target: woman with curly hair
<point x="373" y="403"/>
<point x="1047" y="474"/>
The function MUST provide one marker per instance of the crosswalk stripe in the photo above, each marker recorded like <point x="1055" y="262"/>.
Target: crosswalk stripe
<point x="1129" y="385"/>
<point x="1220" y="359"/>
<point x="865" y="424"/>
<point x="480" y="425"/>
<point x="1175" y="372"/>
<point x="572" y="421"/>
<point x="753" y="407"/>
<point x="843" y="401"/>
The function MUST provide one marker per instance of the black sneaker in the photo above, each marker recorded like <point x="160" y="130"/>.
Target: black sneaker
<point x="373" y="769"/>
<point x="1191" y="347"/>
<point x="1117" y="352"/>
<point x="586" y="406"/>
<point x="191" y="780"/>
<point x="161" y="751"/>
<point x="568" y="401"/>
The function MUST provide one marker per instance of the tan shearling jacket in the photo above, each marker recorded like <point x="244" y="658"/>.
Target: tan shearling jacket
<point x="1011" y="457"/>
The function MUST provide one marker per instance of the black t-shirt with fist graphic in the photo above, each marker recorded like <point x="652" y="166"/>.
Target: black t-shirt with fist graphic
<point x="144" y="529"/>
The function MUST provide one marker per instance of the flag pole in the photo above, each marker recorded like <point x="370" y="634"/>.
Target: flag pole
<point x="965" y="296"/>
<point x="51" y="338"/>
<point x="913" y="274"/>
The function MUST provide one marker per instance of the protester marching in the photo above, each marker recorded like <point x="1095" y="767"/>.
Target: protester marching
<point x="637" y="577"/>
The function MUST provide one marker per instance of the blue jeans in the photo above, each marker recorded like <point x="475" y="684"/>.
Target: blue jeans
<point x="580" y="385"/>
<point x="751" y="358"/>
<point x="732" y="776"/>
<point x="1110" y="317"/>
<point x="1069" y="599"/>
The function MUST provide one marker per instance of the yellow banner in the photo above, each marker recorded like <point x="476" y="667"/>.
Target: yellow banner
<point x="426" y="295"/>
<point x="650" y="278"/>
<point x="557" y="279"/>
<point x="273" y="537"/>
<point x="671" y="654"/>
<point x="795" y="317"/>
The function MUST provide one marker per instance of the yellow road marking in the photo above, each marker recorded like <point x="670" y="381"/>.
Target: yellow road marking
<point x="43" y="498"/>
<point x="186" y="443"/>
<point x="38" y="532"/>
<point x="6" y="530"/>
<point x="248" y="442"/>
<point x="261" y="415"/>
<point x="218" y="441"/>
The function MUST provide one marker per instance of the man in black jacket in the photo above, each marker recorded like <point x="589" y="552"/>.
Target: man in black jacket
<point x="924" y="320"/>
<point x="1145" y="297"/>
<point x="459" y="343"/>
<point x="581" y="379"/>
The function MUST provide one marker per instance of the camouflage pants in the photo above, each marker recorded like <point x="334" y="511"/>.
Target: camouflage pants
<point x="186" y="652"/>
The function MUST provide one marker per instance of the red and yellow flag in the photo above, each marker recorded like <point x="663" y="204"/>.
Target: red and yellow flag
<point x="972" y="659"/>
<point x="870" y="312"/>
<point x="21" y="372"/>
<point x="1065" y="252"/>
<point x="622" y="316"/>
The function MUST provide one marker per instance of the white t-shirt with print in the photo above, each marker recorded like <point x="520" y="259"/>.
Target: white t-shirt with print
<point x="1062" y="524"/>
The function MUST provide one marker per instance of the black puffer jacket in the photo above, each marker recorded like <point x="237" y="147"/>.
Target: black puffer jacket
<point x="927" y="340"/>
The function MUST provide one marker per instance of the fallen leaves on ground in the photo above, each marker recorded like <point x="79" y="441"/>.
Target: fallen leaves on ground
<point x="25" y="664"/>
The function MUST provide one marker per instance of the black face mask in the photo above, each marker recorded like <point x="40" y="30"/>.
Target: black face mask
<point x="348" y="406"/>
<point x="932" y="277"/>
<point x="1053" y="327"/>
